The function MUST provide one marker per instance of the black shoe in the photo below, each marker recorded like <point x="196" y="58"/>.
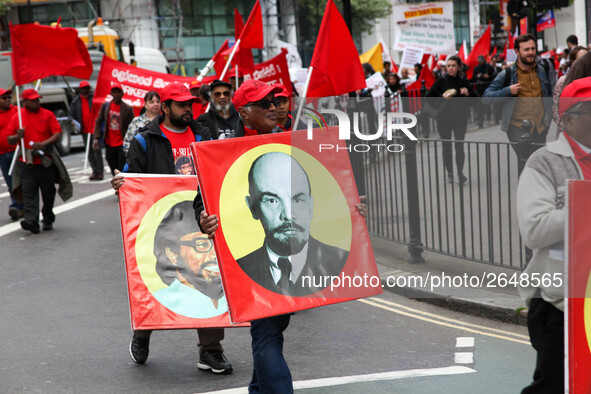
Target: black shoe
<point x="30" y="226"/>
<point x="139" y="349"/>
<point x="214" y="360"/>
<point x="462" y="179"/>
<point x="13" y="213"/>
<point x="47" y="226"/>
<point x="449" y="178"/>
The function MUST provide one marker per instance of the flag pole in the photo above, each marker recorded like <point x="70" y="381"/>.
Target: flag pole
<point x="20" y="120"/>
<point x="234" y="49"/>
<point x="88" y="139"/>
<point x="205" y="70"/>
<point x="237" y="79"/>
<point x="303" y="98"/>
<point x="14" y="158"/>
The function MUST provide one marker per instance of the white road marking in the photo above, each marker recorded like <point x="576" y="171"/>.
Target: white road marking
<point x="465" y="342"/>
<point x="9" y="228"/>
<point x="412" y="373"/>
<point x="464" y="358"/>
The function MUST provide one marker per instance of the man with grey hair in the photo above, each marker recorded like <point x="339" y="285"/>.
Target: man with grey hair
<point x="222" y="118"/>
<point x="280" y="198"/>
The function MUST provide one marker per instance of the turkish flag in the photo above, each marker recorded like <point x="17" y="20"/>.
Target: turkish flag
<point x="40" y="51"/>
<point x="251" y="35"/>
<point x="337" y="69"/>
<point x="220" y="58"/>
<point x="481" y="48"/>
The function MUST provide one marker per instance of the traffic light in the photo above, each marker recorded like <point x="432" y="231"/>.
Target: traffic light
<point x="518" y="8"/>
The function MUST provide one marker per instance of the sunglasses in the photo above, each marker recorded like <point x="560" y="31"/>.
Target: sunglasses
<point x="219" y="94"/>
<point x="265" y="104"/>
<point x="200" y="245"/>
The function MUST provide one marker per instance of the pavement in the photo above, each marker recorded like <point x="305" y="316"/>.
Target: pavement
<point x="457" y="284"/>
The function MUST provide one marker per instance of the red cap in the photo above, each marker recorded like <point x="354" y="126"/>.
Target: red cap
<point x="31" y="94"/>
<point x="177" y="92"/>
<point x="195" y="84"/>
<point x="116" y="86"/>
<point x="232" y="73"/>
<point x="283" y="93"/>
<point x="251" y="91"/>
<point x="576" y="92"/>
<point x="84" y="84"/>
<point x="3" y="92"/>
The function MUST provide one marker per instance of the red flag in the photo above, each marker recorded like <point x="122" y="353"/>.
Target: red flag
<point x="337" y="69"/>
<point x="251" y="35"/>
<point x="481" y="48"/>
<point x="509" y="44"/>
<point x="243" y="57"/>
<point x="40" y="51"/>
<point x="427" y="76"/>
<point x="463" y="52"/>
<point x="220" y="58"/>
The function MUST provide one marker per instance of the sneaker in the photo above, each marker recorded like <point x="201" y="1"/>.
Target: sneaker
<point x="449" y="178"/>
<point x="215" y="361"/>
<point x="139" y="349"/>
<point x="30" y="226"/>
<point x="47" y="226"/>
<point x="13" y="213"/>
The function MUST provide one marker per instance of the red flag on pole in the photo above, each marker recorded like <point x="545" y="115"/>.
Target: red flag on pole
<point x="481" y="48"/>
<point x="425" y="75"/>
<point x="251" y="35"/>
<point x="243" y="57"/>
<point x="463" y="52"/>
<point x="335" y="62"/>
<point x="220" y="58"/>
<point x="40" y="51"/>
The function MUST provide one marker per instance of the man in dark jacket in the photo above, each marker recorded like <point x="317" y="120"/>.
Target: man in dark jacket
<point x="156" y="151"/>
<point x="222" y="118"/>
<point x="81" y="112"/>
<point x="111" y="125"/>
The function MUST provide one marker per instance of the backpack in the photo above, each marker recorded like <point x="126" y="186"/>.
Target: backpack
<point x="550" y="73"/>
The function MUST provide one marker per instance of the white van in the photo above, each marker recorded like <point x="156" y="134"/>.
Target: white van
<point x="148" y="58"/>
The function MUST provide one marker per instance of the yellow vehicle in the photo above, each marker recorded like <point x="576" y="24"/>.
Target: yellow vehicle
<point x="98" y="36"/>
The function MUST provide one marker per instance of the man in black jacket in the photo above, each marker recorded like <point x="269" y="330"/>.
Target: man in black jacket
<point x="156" y="151"/>
<point x="221" y="119"/>
<point x="81" y="112"/>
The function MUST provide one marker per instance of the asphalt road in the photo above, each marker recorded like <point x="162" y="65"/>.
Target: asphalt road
<point x="65" y="326"/>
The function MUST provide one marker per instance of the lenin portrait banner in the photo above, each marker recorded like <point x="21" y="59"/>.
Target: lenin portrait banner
<point x="578" y="303"/>
<point x="173" y="278"/>
<point x="290" y="236"/>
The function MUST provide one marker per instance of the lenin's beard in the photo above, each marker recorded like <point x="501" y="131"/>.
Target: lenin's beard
<point x="285" y="242"/>
<point x="211" y="287"/>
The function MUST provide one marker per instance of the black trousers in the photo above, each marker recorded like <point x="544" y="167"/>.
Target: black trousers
<point x="459" y="133"/>
<point x="209" y="338"/>
<point x="95" y="157"/>
<point x="35" y="178"/>
<point x="545" y="324"/>
<point x="115" y="158"/>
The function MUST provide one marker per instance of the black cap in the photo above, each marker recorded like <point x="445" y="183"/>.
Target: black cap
<point x="217" y="83"/>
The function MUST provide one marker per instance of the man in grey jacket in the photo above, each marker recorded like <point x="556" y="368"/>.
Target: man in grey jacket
<point x="522" y="92"/>
<point x="541" y="215"/>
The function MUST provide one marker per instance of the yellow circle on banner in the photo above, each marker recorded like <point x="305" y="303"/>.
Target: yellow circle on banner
<point x="144" y="243"/>
<point x="587" y="312"/>
<point x="331" y="222"/>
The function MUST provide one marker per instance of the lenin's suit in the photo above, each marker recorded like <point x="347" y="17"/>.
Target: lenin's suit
<point x="322" y="260"/>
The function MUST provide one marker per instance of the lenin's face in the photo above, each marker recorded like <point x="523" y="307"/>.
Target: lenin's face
<point x="281" y="200"/>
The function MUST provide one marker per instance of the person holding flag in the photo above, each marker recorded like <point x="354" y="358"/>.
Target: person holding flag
<point x="7" y="111"/>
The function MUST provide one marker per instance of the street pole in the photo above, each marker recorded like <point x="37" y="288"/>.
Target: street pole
<point x="347" y="15"/>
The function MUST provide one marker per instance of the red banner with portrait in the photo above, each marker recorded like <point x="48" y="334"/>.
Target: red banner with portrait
<point x="578" y="303"/>
<point x="173" y="277"/>
<point x="290" y="236"/>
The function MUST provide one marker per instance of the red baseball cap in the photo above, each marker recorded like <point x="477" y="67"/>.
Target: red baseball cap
<point x="576" y="92"/>
<point x="251" y="91"/>
<point x="232" y="73"/>
<point x="3" y="92"/>
<point x="116" y="86"/>
<point x="195" y="84"/>
<point x="85" y="84"/>
<point x="31" y="94"/>
<point x="177" y="92"/>
<point x="283" y="93"/>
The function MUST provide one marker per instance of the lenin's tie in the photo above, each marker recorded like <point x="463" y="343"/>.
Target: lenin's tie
<point x="284" y="282"/>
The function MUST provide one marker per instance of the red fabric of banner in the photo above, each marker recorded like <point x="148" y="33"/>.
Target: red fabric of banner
<point x="40" y="51"/>
<point x="337" y="69"/>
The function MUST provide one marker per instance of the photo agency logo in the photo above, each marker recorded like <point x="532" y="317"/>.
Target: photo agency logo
<point x="395" y="126"/>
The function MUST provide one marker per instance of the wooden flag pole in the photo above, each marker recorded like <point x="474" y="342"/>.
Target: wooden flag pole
<point x="302" y="99"/>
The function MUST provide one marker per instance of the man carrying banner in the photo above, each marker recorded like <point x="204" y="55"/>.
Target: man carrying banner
<point x="156" y="151"/>
<point x="111" y="125"/>
<point x="222" y="118"/>
<point x="7" y="111"/>
<point x="80" y="111"/>
<point x="41" y="131"/>
<point x="256" y="104"/>
<point x="541" y="196"/>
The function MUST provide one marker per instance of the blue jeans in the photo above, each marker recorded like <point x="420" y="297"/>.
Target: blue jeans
<point x="5" y="160"/>
<point x="271" y="373"/>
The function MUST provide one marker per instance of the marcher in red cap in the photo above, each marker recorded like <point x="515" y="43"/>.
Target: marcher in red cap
<point x="284" y="118"/>
<point x="40" y="131"/>
<point x="258" y="97"/>
<point x="541" y="216"/>
<point x="111" y="125"/>
<point x="232" y="78"/>
<point x="177" y="92"/>
<point x="84" y="84"/>
<point x="7" y="111"/>
<point x="80" y="111"/>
